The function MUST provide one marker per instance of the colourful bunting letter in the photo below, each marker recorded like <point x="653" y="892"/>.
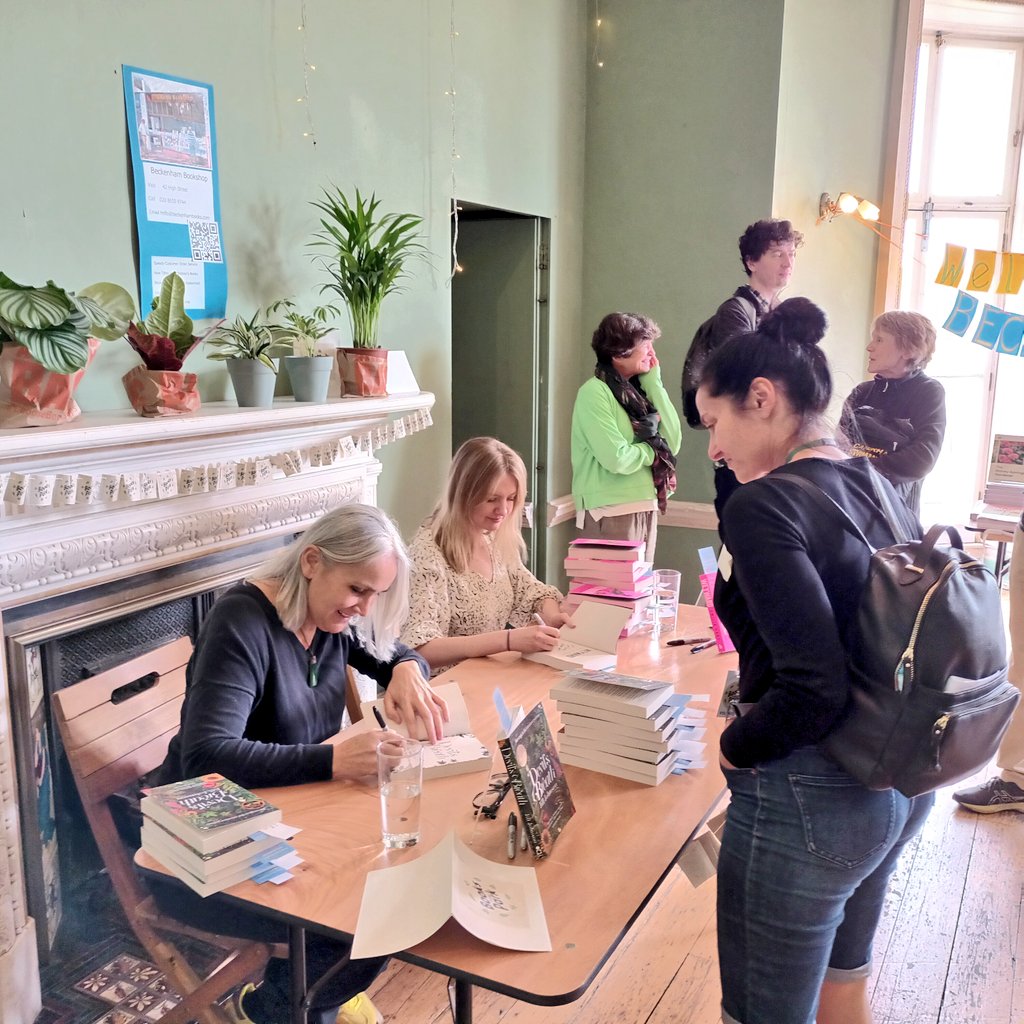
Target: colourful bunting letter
<point x="962" y="314"/>
<point x="983" y="271"/>
<point x="953" y="267"/>
<point x="1011" y="273"/>
<point x="1000" y="330"/>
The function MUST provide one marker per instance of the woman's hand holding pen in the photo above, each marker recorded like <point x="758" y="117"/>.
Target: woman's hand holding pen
<point x="528" y="639"/>
<point x="355" y="758"/>
<point x="550" y="613"/>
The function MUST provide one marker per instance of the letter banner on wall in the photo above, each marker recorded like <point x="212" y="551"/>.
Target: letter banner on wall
<point x="177" y="199"/>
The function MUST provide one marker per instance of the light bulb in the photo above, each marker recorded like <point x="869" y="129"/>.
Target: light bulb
<point x="868" y="210"/>
<point x="847" y="202"/>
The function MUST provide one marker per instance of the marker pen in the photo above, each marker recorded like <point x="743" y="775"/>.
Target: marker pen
<point x="512" y="836"/>
<point x="379" y="717"/>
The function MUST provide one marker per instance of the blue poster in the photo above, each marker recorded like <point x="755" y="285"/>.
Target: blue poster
<point x="177" y="198"/>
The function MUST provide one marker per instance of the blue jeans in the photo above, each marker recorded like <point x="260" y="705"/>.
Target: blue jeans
<point x="805" y="862"/>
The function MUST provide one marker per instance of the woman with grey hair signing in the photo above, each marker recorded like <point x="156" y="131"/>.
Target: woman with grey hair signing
<point x="265" y="692"/>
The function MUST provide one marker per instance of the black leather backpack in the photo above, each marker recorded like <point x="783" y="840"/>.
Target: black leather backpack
<point x="930" y="700"/>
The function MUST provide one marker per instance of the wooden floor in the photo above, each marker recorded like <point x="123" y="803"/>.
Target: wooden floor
<point x="949" y="950"/>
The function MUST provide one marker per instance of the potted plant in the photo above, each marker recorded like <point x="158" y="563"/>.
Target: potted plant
<point x="365" y="258"/>
<point x="47" y="338"/>
<point x="161" y="387"/>
<point x="308" y="366"/>
<point x="248" y="347"/>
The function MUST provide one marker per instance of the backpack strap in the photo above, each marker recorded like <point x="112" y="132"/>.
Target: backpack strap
<point x="827" y="504"/>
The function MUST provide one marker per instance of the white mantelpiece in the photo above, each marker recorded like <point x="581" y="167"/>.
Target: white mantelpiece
<point x="109" y="497"/>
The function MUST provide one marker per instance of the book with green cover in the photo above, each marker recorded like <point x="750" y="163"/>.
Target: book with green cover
<point x="208" y="812"/>
<point x="538" y="781"/>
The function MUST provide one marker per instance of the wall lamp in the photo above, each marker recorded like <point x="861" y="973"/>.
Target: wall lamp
<point x="846" y="203"/>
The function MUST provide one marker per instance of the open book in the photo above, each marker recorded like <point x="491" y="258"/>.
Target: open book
<point x="405" y="904"/>
<point x="458" y="750"/>
<point x="591" y="645"/>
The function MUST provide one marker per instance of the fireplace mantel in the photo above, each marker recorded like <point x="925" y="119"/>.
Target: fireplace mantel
<point x="111" y="497"/>
<point x="85" y="501"/>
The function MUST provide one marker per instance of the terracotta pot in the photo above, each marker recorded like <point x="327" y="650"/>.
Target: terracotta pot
<point x="33" y="396"/>
<point x="161" y="392"/>
<point x="364" y="371"/>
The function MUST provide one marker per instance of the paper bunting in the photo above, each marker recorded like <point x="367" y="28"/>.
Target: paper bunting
<point x="40" y="490"/>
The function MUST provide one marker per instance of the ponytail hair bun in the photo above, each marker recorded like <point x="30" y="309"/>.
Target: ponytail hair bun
<point x="797" y="320"/>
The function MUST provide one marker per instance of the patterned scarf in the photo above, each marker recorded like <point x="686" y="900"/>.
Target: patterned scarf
<point x="638" y="407"/>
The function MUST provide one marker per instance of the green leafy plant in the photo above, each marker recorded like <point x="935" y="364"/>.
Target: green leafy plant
<point x="301" y="330"/>
<point x="245" y="339"/>
<point x="367" y="256"/>
<point x="55" y="325"/>
<point x="165" y="337"/>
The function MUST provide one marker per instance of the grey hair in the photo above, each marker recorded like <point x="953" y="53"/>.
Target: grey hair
<point x="350" y="535"/>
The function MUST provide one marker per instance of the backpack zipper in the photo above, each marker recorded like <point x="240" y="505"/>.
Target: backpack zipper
<point x="904" y="674"/>
<point x="941" y="724"/>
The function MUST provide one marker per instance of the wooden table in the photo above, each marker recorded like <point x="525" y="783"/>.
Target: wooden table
<point x="623" y="840"/>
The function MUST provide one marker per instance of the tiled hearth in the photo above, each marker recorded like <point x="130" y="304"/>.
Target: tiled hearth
<point x="110" y="517"/>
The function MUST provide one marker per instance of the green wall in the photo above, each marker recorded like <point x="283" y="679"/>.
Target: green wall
<point x="706" y="116"/>
<point x="382" y="123"/>
<point x="680" y="156"/>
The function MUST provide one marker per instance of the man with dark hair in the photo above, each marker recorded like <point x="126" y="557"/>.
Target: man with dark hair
<point x="768" y="253"/>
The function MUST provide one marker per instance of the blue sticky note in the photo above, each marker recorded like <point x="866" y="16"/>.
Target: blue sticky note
<point x="708" y="561"/>
<point x="503" y="714"/>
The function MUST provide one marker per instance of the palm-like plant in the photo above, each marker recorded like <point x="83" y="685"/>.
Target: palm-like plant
<point x="301" y="330"/>
<point x="245" y="339"/>
<point x="367" y="256"/>
<point x="55" y="325"/>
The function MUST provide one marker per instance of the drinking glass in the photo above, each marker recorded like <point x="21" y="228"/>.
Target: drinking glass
<point x="666" y="599"/>
<point x="400" y="774"/>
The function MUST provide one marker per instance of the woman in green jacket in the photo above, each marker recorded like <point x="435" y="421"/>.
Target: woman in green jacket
<point x="625" y="435"/>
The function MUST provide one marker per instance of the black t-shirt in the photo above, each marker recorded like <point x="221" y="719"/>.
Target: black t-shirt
<point x="791" y="598"/>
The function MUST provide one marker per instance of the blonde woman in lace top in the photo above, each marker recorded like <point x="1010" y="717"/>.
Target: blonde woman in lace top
<point x="470" y="593"/>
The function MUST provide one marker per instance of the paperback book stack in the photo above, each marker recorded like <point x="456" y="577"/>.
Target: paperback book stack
<point x="610" y="572"/>
<point x="209" y="832"/>
<point x="635" y="728"/>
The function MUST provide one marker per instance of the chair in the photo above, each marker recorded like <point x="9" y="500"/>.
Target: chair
<point x="115" y="727"/>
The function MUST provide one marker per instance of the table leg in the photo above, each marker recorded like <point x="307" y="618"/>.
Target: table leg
<point x="460" y="998"/>
<point x="297" y="961"/>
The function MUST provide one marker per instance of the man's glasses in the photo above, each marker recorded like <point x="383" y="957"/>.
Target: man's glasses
<point x="486" y="804"/>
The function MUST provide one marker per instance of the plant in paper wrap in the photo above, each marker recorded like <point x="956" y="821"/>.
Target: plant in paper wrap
<point x="48" y="336"/>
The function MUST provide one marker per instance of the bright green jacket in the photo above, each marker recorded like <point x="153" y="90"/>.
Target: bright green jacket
<point x="608" y="466"/>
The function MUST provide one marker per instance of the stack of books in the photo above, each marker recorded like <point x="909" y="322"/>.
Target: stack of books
<point x="610" y="572"/>
<point x="209" y="832"/>
<point x="634" y="728"/>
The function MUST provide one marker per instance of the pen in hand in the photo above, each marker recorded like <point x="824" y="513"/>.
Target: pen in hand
<point x="512" y="836"/>
<point x="537" y="618"/>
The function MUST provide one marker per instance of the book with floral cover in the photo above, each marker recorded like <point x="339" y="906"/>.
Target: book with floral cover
<point x="209" y="812"/>
<point x="538" y="781"/>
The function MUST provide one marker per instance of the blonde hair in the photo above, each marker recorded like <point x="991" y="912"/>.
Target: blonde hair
<point x="476" y="468"/>
<point x="350" y="535"/>
<point x="914" y="334"/>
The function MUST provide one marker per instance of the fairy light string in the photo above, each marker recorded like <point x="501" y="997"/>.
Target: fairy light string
<point x="307" y="68"/>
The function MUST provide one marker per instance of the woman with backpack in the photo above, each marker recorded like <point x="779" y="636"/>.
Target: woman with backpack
<point x="807" y="850"/>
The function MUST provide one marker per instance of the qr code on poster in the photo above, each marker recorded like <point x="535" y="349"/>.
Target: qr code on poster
<point x="204" y="239"/>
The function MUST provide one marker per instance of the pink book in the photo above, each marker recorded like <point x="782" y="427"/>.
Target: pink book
<point x="640" y="589"/>
<point x="615" y="550"/>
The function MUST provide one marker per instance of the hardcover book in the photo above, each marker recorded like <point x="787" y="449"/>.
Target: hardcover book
<point x="538" y="782"/>
<point x="208" y="812"/>
<point x="615" y="550"/>
<point x="590" y="642"/>
<point x="458" y="751"/>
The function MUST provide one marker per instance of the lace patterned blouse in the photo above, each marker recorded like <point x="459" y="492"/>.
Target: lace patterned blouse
<point x="443" y="602"/>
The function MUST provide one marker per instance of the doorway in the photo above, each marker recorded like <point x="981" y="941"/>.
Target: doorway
<point x="500" y="344"/>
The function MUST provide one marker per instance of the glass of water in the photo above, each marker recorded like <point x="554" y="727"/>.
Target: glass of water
<point x="400" y="774"/>
<point x="666" y="599"/>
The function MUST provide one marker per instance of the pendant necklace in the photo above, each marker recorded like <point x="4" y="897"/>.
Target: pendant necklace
<point x="312" y="665"/>
<point x="818" y="442"/>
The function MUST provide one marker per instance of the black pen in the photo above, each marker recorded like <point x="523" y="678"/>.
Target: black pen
<point x="512" y="836"/>
<point x="379" y="717"/>
<point x="702" y="647"/>
<point x="686" y="643"/>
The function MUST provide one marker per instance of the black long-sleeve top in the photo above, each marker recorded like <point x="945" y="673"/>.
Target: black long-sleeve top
<point x="791" y="599"/>
<point x="899" y="424"/>
<point x="249" y="711"/>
